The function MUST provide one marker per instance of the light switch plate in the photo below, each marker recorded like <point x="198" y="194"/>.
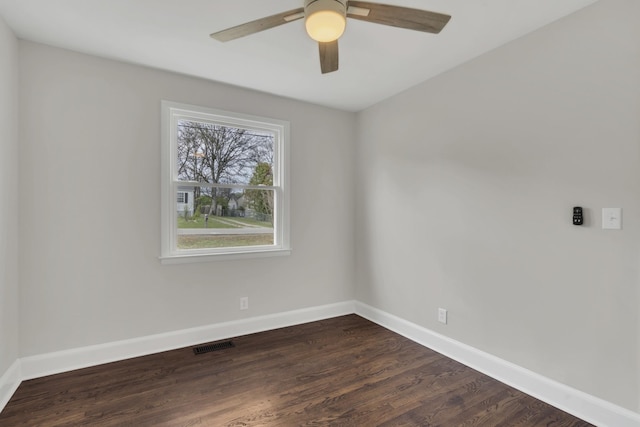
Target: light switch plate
<point x="611" y="218"/>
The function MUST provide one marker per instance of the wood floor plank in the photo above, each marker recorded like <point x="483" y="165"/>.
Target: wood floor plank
<point x="344" y="371"/>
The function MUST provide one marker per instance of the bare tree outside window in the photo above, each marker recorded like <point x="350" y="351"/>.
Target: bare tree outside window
<point x="216" y="154"/>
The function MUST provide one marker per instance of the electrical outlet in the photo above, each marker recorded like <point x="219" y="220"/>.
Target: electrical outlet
<point x="442" y="315"/>
<point x="244" y="303"/>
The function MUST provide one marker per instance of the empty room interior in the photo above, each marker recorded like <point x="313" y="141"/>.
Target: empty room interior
<point x="471" y="192"/>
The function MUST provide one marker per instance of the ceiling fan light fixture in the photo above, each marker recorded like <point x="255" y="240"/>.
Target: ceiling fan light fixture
<point x="325" y="20"/>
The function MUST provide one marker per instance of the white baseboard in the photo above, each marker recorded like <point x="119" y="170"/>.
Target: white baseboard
<point x="585" y="406"/>
<point x="9" y="383"/>
<point x="77" y="358"/>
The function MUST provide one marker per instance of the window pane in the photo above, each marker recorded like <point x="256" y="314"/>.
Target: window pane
<point x="224" y="217"/>
<point x="219" y="154"/>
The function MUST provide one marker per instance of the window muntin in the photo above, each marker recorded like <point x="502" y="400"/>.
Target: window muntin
<point x="224" y="183"/>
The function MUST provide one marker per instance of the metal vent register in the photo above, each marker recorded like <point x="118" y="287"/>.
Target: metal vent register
<point x="213" y="347"/>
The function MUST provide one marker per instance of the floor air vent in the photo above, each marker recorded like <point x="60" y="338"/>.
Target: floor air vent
<point x="213" y="347"/>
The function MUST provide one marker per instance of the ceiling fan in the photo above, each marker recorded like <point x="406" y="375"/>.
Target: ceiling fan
<point x="325" y="21"/>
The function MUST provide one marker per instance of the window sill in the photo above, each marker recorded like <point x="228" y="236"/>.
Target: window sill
<point x="192" y="258"/>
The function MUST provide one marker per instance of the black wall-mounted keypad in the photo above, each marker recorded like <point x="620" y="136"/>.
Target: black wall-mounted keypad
<point x="578" y="219"/>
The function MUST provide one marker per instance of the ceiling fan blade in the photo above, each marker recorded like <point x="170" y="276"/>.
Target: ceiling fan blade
<point x="258" y="25"/>
<point x="397" y="16"/>
<point x="328" y="56"/>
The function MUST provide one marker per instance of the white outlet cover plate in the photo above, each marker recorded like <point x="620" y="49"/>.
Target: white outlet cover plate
<point x="442" y="315"/>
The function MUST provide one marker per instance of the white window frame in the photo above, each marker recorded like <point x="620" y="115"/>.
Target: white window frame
<point x="171" y="113"/>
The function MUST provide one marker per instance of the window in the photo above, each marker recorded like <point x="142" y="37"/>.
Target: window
<point x="224" y="185"/>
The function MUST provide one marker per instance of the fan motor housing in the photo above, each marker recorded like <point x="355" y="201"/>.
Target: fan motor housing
<point x="313" y="6"/>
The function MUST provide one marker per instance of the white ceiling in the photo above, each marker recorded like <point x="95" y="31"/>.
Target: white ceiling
<point x="376" y="61"/>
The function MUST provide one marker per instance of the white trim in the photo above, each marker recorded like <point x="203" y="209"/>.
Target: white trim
<point x="76" y="358"/>
<point x="191" y="258"/>
<point x="9" y="383"/>
<point x="585" y="406"/>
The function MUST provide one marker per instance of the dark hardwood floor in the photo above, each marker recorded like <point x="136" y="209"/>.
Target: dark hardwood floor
<point x="344" y="371"/>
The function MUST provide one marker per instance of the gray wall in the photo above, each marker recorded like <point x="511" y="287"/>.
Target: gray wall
<point x="465" y="189"/>
<point x="9" y="209"/>
<point x="90" y="138"/>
